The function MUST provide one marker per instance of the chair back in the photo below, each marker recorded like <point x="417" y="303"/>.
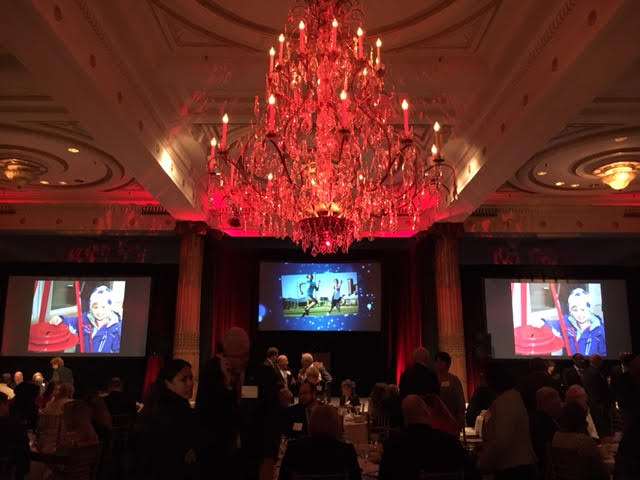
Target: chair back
<point x="566" y="464"/>
<point x="329" y="476"/>
<point x="459" y="475"/>
<point x="49" y="430"/>
<point x="82" y="464"/>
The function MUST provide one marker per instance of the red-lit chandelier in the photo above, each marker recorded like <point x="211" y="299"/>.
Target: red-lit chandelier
<point x="323" y="164"/>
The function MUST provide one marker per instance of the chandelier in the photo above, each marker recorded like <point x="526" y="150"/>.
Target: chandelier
<point x="323" y="163"/>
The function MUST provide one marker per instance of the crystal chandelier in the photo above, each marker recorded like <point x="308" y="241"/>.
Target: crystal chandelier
<point x="323" y="163"/>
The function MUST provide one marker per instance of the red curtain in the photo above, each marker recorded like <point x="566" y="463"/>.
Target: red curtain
<point x="154" y="364"/>
<point x="232" y="289"/>
<point x="404" y="296"/>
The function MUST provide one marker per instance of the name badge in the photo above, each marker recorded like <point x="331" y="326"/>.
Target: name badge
<point x="297" y="427"/>
<point x="445" y="384"/>
<point x="249" y="391"/>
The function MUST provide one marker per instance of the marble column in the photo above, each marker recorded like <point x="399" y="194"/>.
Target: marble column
<point x="186" y="333"/>
<point x="448" y="297"/>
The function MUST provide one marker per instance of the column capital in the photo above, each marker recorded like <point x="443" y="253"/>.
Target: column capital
<point x="447" y="229"/>
<point x="187" y="227"/>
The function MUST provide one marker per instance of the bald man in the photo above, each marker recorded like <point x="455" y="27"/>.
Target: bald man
<point x="419" y="378"/>
<point x="420" y="448"/>
<point x="238" y="408"/>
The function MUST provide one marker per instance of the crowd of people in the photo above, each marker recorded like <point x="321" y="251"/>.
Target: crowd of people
<point x="246" y="424"/>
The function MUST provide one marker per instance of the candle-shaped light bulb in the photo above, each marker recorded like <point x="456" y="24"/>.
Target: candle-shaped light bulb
<point x="378" y="45"/>
<point x="270" y="176"/>
<point x="223" y="140"/>
<point x="343" y="108"/>
<point x="360" y="47"/>
<point x="272" y="113"/>
<point x="334" y="34"/>
<point x="280" y="48"/>
<point x="434" y="150"/>
<point x="212" y="154"/>
<point x="272" y="54"/>
<point x="301" y="28"/>
<point x="405" y="112"/>
<point x="436" y="129"/>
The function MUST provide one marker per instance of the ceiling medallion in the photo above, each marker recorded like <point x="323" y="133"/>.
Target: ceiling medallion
<point x="323" y="163"/>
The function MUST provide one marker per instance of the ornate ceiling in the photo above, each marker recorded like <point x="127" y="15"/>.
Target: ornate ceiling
<point x="138" y="89"/>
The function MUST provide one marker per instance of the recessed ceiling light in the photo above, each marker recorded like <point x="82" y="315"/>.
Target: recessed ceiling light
<point x="575" y="185"/>
<point x="44" y="182"/>
<point x="620" y="139"/>
<point x="73" y="150"/>
<point x="62" y="182"/>
<point x="559" y="184"/>
<point x="541" y="173"/>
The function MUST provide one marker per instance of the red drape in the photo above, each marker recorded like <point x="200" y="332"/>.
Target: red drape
<point x="404" y="298"/>
<point x="234" y="274"/>
<point x="154" y="364"/>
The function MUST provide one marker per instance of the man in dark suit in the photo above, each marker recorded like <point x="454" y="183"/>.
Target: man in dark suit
<point x="419" y="378"/>
<point x="284" y="374"/>
<point x="238" y="409"/>
<point x="573" y="374"/>
<point x="600" y="398"/>
<point x="298" y="414"/>
<point x="420" y="448"/>
<point x="321" y="453"/>
<point x="272" y="356"/>
<point x="534" y="381"/>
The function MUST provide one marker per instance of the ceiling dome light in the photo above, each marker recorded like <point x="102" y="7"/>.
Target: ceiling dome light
<point x="618" y="175"/>
<point x="559" y="184"/>
<point x="73" y="150"/>
<point x="541" y="173"/>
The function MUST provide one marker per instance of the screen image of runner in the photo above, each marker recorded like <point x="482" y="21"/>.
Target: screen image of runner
<point x="319" y="296"/>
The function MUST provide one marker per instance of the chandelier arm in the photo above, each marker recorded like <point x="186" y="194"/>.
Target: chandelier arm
<point x="386" y="134"/>
<point x="282" y="160"/>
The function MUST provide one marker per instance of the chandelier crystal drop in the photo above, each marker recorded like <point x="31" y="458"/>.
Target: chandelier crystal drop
<point x="323" y="163"/>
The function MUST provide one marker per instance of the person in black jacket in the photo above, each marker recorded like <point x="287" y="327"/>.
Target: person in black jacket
<point x="419" y="448"/>
<point x="169" y="425"/>
<point x="61" y="374"/>
<point x="14" y="444"/>
<point x="237" y="405"/>
<point x="298" y="414"/>
<point x="321" y="453"/>
<point x="348" y="396"/>
<point x="419" y="379"/>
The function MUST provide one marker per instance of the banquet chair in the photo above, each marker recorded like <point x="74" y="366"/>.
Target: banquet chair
<point x="459" y="475"/>
<point x="325" y="476"/>
<point x="81" y="463"/>
<point x="567" y="465"/>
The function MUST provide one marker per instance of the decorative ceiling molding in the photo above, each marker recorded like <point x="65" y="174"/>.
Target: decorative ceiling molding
<point x="38" y="146"/>
<point x="181" y="32"/>
<point x="231" y="17"/>
<point x="63" y="127"/>
<point x="119" y="64"/>
<point x="572" y="129"/>
<point x="464" y="35"/>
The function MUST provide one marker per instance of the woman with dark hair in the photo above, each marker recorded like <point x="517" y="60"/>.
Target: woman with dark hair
<point x="507" y="451"/>
<point x="169" y="425"/>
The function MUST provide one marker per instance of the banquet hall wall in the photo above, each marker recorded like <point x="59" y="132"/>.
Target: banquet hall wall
<point x="368" y="357"/>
